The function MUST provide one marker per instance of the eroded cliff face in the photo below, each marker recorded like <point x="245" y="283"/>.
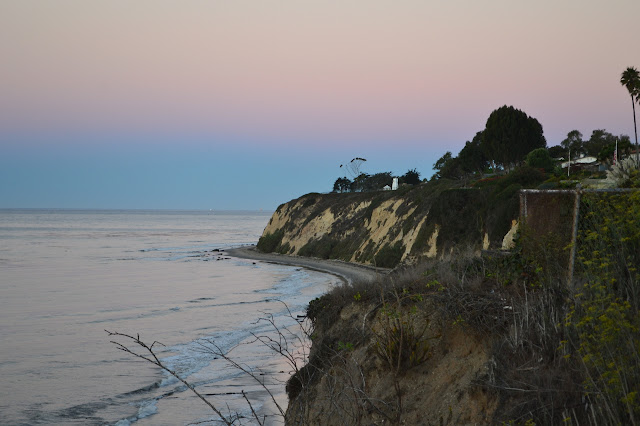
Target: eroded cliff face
<point x="388" y="227"/>
<point x="349" y="379"/>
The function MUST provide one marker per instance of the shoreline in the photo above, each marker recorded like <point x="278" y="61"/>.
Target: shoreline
<point x="348" y="272"/>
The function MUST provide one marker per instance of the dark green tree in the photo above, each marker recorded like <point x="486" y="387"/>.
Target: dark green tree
<point x="377" y="181"/>
<point x="557" y="152"/>
<point x="631" y="80"/>
<point x="624" y="145"/>
<point x="439" y="164"/>
<point x="342" y="184"/>
<point x="509" y="135"/>
<point x="412" y="177"/>
<point x="599" y="140"/>
<point x="448" y="167"/>
<point x="573" y="143"/>
<point x="539" y="158"/>
<point x="472" y="158"/>
<point x="359" y="182"/>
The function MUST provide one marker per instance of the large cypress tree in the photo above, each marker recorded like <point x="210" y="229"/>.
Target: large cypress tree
<point x="509" y="135"/>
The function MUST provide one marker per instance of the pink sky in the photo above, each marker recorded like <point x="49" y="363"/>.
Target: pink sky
<point x="427" y="71"/>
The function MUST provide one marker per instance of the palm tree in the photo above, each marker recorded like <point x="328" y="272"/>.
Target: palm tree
<point x="631" y="80"/>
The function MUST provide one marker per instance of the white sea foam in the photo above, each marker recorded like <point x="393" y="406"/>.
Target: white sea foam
<point x="147" y="408"/>
<point x="65" y="281"/>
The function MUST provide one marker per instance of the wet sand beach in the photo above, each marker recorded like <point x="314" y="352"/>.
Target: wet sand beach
<point x="349" y="272"/>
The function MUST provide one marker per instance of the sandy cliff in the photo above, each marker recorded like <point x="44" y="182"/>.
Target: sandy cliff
<point x="388" y="227"/>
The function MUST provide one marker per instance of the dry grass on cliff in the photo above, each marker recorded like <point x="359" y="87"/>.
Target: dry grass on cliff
<point x="517" y="374"/>
<point x="386" y="352"/>
<point x="556" y="352"/>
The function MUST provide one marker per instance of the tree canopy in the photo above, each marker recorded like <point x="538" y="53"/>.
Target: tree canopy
<point x="376" y="182"/>
<point x="557" y="152"/>
<point x="509" y="135"/>
<point x="624" y="145"/>
<point x="412" y="177"/>
<point x="539" y="158"/>
<point x="573" y="143"/>
<point x="472" y="158"/>
<point x="448" y="167"/>
<point x="342" y="184"/>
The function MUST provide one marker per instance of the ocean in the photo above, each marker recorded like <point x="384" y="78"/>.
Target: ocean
<point x="66" y="276"/>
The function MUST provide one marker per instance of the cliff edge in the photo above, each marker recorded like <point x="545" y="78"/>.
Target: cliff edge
<point x="385" y="228"/>
<point x="459" y="335"/>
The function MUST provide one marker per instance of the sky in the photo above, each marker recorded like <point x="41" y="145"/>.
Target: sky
<point x="246" y="104"/>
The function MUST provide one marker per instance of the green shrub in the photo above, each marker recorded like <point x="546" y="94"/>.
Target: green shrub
<point x="526" y="176"/>
<point x="284" y="248"/>
<point x="320" y="248"/>
<point x="401" y="340"/>
<point x="375" y="203"/>
<point x="540" y="159"/>
<point x="420" y="243"/>
<point x="309" y="202"/>
<point x="389" y="256"/>
<point x="271" y="241"/>
<point x="508" y="193"/>
<point x="605" y="319"/>
<point x="548" y="185"/>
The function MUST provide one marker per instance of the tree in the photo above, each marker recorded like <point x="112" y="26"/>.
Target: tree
<point x="342" y="185"/>
<point x="573" y="143"/>
<point x="509" y="135"/>
<point x="353" y="166"/>
<point x="442" y="161"/>
<point x="412" y="177"/>
<point x="599" y="140"/>
<point x="539" y="158"/>
<point x="448" y="167"/>
<point x="631" y="80"/>
<point x="359" y="182"/>
<point x="557" y="152"/>
<point x="623" y="144"/>
<point x="472" y="159"/>
<point x="377" y="181"/>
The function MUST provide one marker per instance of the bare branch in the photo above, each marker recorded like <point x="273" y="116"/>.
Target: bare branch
<point x="152" y="358"/>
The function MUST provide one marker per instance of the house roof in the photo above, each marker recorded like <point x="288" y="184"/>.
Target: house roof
<point x="583" y="160"/>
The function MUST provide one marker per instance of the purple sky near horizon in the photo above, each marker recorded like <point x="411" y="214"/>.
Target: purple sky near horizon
<point x="245" y="104"/>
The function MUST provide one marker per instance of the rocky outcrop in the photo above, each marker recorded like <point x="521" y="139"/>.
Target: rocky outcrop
<point x="385" y="228"/>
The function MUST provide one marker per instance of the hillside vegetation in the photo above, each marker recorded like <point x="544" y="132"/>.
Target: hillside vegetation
<point x="384" y="228"/>
<point x="487" y="340"/>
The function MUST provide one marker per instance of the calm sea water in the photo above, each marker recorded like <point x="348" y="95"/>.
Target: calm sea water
<point x="67" y="275"/>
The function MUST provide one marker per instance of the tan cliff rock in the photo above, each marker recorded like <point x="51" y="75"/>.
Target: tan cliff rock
<point x="352" y="384"/>
<point x="388" y="227"/>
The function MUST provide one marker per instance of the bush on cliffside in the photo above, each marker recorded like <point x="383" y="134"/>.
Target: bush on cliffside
<point x="389" y="256"/>
<point x="269" y="243"/>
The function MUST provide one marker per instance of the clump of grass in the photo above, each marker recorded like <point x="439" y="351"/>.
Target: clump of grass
<point x="401" y="339"/>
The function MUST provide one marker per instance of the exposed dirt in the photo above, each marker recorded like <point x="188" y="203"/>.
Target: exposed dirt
<point x="356" y="386"/>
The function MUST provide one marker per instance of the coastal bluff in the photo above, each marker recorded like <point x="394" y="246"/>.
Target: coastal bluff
<point x="356" y="371"/>
<point x="453" y="332"/>
<point x="386" y="228"/>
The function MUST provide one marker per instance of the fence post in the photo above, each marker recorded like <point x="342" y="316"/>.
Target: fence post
<point x="574" y="237"/>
